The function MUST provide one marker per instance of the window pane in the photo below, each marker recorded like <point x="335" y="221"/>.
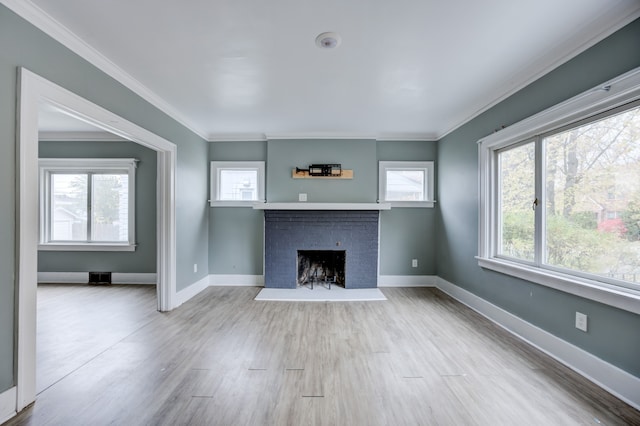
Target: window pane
<point x="516" y="195"/>
<point x="69" y="207"/>
<point x="593" y="197"/>
<point x="238" y="185"/>
<point x="110" y="207"/>
<point x="405" y="185"/>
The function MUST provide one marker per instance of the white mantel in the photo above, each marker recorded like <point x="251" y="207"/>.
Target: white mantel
<point x="322" y="206"/>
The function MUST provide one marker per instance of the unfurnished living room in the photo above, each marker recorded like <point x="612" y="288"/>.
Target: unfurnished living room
<point x="320" y="213"/>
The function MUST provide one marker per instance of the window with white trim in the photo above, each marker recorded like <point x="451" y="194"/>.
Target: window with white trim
<point x="87" y="204"/>
<point x="560" y="194"/>
<point x="236" y="183"/>
<point x="406" y="183"/>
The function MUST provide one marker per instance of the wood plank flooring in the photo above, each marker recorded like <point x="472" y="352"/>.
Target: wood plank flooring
<point x="419" y="358"/>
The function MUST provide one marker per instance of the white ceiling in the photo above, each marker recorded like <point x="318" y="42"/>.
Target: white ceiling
<point x="408" y="69"/>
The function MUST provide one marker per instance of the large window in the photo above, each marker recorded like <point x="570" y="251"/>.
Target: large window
<point x="236" y="183"/>
<point x="87" y="204"/>
<point x="560" y="193"/>
<point x="406" y="183"/>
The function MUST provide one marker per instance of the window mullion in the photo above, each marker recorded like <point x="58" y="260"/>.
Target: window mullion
<point x="540" y="206"/>
<point x="89" y="205"/>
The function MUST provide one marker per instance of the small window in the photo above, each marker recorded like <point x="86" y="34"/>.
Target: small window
<point x="406" y="183"/>
<point x="87" y="204"/>
<point x="236" y="183"/>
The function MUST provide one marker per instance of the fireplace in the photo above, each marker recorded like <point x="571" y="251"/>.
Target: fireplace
<point x="351" y="234"/>
<point x="321" y="267"/>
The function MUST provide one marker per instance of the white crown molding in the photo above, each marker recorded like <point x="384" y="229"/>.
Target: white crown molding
<point x="261" y="137"/>
<point x="46" y="23"/>
<point x="602" y="28"/>
<point x="46" y="136"/>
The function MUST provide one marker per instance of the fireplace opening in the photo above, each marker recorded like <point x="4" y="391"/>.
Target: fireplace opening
<point x="324" y="267"/>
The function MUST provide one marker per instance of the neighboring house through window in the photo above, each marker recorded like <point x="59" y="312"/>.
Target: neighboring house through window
<point x="87" y="204"/>
<point x="406" y="183"/>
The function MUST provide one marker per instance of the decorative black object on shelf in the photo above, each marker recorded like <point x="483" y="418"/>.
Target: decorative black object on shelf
<point x="322" y="170"/>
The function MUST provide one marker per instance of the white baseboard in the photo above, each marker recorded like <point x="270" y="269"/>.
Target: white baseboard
<point x="188" y="292"/>
<point x="609" y="377"/>
<point x="407" y="281"/>
<point x="236" y="280"/>
<point x="7" y="404"/>
<point x="134" y="278"/>
<point x="83" y="278"/>
<point x="63" y="277"/>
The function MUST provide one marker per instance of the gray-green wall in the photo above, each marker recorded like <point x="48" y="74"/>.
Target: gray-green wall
<point x="22" y="45"/>
<point x="143" y="259"/>
<point x="236" y="233"/>
<point x="614" y="335"/>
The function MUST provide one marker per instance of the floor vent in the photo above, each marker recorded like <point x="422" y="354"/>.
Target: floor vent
<point x="99" y="277"/>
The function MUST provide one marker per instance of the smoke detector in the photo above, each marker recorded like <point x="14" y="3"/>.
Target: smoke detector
<point x="329" y="40"/>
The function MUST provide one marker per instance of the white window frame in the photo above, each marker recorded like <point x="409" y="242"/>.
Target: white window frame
<point x="428" y="190"/>
<point x="47" y="166"/>
<point x="612" y="94"/>
<point x="214" y="182"/>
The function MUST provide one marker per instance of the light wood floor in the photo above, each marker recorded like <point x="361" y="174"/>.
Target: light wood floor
<point x="419" y="358"/>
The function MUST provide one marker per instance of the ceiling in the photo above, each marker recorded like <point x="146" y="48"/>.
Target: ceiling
<point x="405" y="69"/>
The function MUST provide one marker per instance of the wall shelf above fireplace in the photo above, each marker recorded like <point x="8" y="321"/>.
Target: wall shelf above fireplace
<point x="322" y="206"/>
<point x="346" y="174"/>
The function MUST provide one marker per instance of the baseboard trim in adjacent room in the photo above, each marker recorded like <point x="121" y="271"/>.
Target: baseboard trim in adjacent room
<point x="609" y="377"/>
<point x="63" y="277"/>
<point x="83" y="278"/>
<point x="236" y="280"/>
<point x="134" y="278"/>
<point x="191" y="291"/>
<point x="7" y="404"/>
<point x="407" y="281"/>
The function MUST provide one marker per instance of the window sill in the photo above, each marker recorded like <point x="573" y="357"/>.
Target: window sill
<point x="237" y="203"/>
<point x="619" y="297"/>
<point x="418" y="204"/>
<point x="86" y="247"/>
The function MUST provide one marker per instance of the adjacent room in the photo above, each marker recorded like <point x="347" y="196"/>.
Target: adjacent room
<point x="369" y="213"/>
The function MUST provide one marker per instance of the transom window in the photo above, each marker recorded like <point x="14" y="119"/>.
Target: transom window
<point x="406" y="183"/>
<point x="563" y="198"/>
<point x="87" y="204"/>
<point x="236" y="183"/>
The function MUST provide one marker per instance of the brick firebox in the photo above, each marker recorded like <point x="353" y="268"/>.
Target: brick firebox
<point x="353" y="231"/>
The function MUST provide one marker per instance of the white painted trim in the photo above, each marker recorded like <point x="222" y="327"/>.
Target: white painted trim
<point x="609" y="377"/>
<point x="191" y="291"/>
<point x="407" y="281"/>
<point x="34" y="90"/>
<point x="83" y="278"/>
<point x="63" y="277"/>
<point x="236" y="280"/>
<point x="134" y="278"/>
<point x="51" y="136"/>
<point x="322" y="206"/>
<point x="216" y="167"/>
<point x="7" y="404"/>
<point x="46" y="23"/>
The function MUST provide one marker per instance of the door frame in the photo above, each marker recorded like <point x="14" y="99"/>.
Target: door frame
<point x="33" y="91"/>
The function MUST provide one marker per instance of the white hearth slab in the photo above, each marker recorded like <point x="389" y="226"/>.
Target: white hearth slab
<point x="321" y="294"/>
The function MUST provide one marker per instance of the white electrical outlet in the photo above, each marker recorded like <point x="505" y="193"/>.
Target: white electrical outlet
<point x="302" y="197"/>
<point x="581" y="321"/>
<point x="195" y="267"/>
<point x="414" y="263"/>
